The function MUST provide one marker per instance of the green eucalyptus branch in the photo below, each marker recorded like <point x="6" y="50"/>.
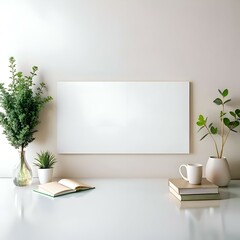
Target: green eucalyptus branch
<point x="21" y="106"/>
<point x="225" y="123"/>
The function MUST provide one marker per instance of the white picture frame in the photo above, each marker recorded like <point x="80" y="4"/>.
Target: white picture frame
<point x="123" y="117"/>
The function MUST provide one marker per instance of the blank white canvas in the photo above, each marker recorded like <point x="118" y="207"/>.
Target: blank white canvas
<point x="123" y="117"/>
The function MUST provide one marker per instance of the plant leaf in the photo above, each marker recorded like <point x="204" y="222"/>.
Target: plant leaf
<point x="222" y="114"/>
<point x="226" y="122"/>
<point x="19" y="74"/>
<point x="237" y="111"/>
<point x="45" y="160"/>
<point x="236" y="124"/>
<point x="227" y="101"/>
<point x="201" y="121"/>
<point x="220" y="91"/>
<point x="233" y="124"/>
<point x="200" y="128"/>
<point x="213" y="130"/>
<point x="225" y="93"/>
<point x="204" y="136"/>
<point x="201" y="118"/>
<point x="233" y="113"/>
<point x="218" y="101"/>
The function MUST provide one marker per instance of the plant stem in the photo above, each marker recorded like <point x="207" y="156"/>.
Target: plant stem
<point x="222" y="130"/>
<point x="225" y="140"/>
<point x="22" y="156"/>
<point x="215" y="144"/>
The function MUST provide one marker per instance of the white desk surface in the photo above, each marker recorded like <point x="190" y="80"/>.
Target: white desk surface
<point x="118" y="209"/>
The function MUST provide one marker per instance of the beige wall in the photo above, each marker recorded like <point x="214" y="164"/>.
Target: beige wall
<point x="181" y="40"/>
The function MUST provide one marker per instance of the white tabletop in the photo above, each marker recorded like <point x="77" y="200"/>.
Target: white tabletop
<point x="118" y="209"/>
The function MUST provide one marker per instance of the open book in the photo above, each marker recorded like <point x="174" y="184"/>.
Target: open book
<point x="64" y="186"/>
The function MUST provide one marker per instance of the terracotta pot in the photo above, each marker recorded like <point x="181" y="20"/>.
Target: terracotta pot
<point x="217" y="171"/>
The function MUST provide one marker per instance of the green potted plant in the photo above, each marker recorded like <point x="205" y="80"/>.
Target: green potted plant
<point x="21" y="102"/>
<point x="45" y="161"/>
<point x="217" y="168"/>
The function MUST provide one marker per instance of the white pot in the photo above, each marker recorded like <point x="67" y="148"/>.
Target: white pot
<point x="217" y="171"/>
<point x="45" y="175"/>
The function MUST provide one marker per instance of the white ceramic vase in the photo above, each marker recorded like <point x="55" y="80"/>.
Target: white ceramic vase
<point x="217" y="171"/>
<point x="45" y="175"/>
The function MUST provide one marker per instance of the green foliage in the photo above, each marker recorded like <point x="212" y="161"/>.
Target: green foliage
<point x="226" y="123"/>
<point x="45" y="160"/>
<point x="21" y="106"/>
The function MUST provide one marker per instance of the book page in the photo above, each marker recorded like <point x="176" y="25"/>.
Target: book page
<point x="54" y="188"/>
<point x="73" y="184"/>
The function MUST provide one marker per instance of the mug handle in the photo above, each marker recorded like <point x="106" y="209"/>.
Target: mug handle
<point x="180" y="171"/>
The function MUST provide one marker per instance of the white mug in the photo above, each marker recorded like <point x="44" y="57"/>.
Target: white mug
<point x="194" y="173"/>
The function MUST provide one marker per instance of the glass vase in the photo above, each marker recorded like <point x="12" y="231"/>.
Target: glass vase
<point x="22" y="175"/>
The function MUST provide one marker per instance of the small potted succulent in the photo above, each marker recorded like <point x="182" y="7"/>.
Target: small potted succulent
<point x="45" y="161"/>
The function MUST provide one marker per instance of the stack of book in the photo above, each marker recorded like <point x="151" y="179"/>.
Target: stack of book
<point x="185" y="191"/>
